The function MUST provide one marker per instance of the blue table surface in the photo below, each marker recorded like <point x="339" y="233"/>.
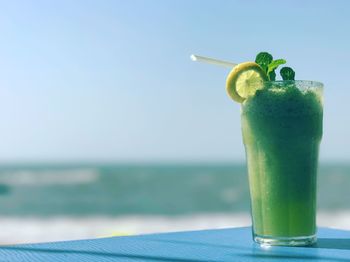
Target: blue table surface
<point x="233" y="244"/>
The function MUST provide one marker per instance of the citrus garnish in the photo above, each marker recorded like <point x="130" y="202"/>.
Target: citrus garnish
<point x="244" y="79"/>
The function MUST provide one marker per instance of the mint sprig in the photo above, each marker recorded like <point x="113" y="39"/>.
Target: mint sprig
<point x="287" y="73"/>
<point x="263" y="59"/>
<point x="266" y="62"/>
<point x="274" y="64"/>
<point x="272" y="75"/>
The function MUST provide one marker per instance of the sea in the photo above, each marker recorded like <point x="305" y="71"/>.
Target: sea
<point x="53" y="202"/>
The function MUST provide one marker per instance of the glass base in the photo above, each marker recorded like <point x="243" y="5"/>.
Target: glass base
<point x="285" y="241"/>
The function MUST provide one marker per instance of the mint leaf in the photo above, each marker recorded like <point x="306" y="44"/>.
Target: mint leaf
<point x="266" y="62"/>
<point x="272" y="75"/>
<point x="274" y="64"/>
<point x="287" y="73"/>
<point x="263" y="59"/>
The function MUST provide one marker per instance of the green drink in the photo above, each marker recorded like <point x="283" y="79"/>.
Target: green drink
<point x="282" y="130"/>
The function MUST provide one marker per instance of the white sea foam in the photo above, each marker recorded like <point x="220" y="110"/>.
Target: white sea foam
<point x="49" y="177"/>
<point x="31" y="230"/>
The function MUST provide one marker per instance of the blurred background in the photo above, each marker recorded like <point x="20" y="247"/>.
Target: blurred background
<point x="108" y="128"/>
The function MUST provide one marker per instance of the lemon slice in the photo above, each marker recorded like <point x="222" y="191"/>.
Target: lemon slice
<point x="243" y="81"/>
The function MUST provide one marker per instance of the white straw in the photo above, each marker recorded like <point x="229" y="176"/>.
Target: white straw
<point x="212" y="61"/>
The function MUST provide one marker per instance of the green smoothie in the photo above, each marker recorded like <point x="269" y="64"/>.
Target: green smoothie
<point x="282" y="130"/>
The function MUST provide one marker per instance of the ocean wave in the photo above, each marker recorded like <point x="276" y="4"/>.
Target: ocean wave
<point x="49" y="177"/>
<point x="37" y="229"/>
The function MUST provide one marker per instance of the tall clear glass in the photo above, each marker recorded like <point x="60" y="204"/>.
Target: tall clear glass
<point x="282" y="130"/>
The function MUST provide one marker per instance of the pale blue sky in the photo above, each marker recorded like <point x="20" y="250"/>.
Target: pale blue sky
<point x="112" y="80"/>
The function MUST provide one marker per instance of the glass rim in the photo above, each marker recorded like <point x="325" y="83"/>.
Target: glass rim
<point x="307" y="82"/>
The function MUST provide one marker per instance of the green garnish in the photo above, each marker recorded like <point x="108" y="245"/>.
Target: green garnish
<point x="266" y="62"/>
<point x="274" y="64"/>
<point x="287" y="73"/>
<point x="263" y="59"/>
<point x="272" y="75"/>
